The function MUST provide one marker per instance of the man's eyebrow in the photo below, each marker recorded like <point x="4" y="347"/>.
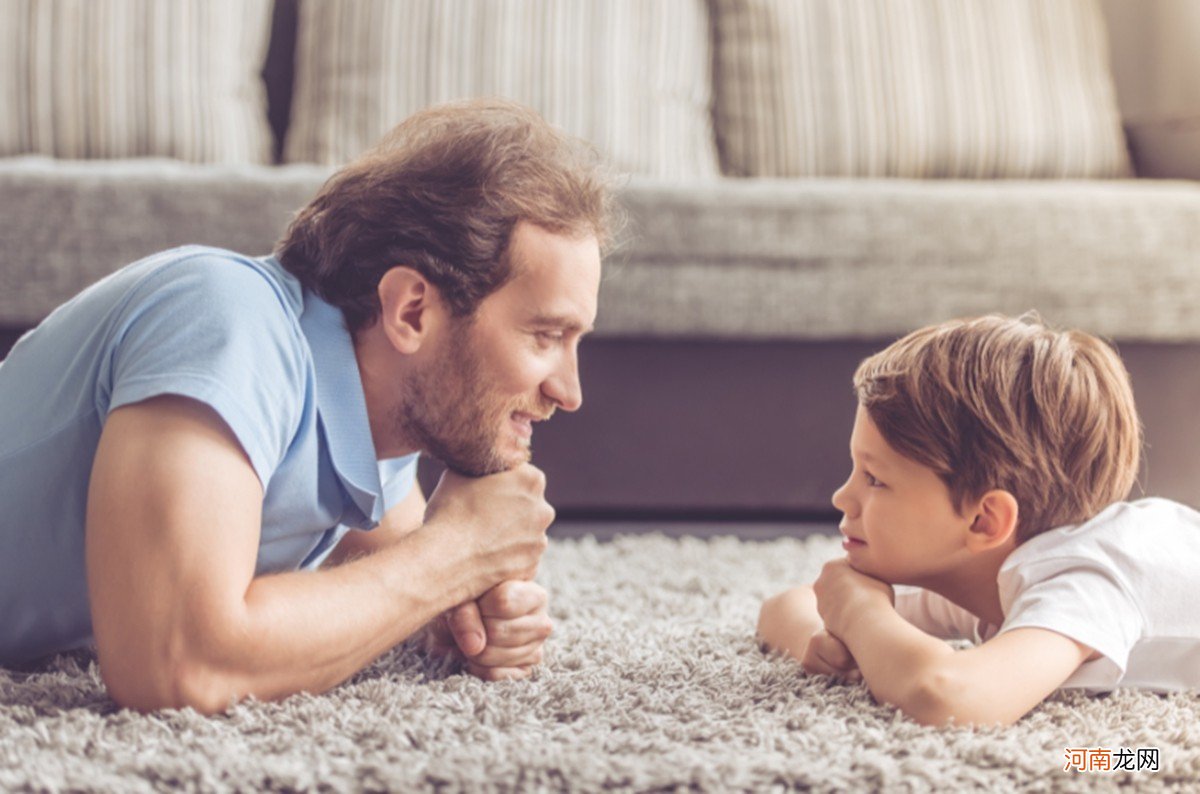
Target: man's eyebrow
<point x="560" y="321"/>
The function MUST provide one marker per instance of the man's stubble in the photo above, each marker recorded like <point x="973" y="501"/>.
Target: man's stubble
<point x="450" y="412"/>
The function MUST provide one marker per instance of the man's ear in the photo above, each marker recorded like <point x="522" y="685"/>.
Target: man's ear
<point x="995" y="521"/>
<point x="408" y="307"/>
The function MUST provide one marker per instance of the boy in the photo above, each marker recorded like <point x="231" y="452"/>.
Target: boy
<point x="989" y="460"/>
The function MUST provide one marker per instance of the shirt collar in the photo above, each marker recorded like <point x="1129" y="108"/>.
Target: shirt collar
<point x="342" y="406"/>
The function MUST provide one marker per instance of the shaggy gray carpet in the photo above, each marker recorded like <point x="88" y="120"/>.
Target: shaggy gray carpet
<point x="653" y="682"/>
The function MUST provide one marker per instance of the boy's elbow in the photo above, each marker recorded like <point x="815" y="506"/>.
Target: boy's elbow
<point x="787" y="619"/>
<point x="927" y="702"/>
<point x="939" y="697"/>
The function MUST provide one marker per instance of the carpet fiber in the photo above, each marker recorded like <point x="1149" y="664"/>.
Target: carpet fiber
<point x="652" y="682"/>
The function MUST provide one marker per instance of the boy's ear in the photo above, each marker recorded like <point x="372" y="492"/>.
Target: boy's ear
<point x="995" y="521"/>
<point x="408" y="308"/>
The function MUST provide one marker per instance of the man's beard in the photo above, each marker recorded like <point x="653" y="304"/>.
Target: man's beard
<point x="450" y="413"/>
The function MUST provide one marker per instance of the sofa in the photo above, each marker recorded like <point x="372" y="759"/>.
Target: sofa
<point x="744" y="290"/>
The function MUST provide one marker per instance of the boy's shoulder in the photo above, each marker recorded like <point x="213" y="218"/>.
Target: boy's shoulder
<point x="1120" y="527"/>
<point x="1128" y="543"/>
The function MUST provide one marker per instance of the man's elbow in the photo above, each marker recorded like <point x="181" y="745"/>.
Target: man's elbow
<point x="174" y="682"/>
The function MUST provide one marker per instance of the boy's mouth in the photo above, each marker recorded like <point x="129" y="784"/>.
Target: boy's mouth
<point x="850" y="542"/>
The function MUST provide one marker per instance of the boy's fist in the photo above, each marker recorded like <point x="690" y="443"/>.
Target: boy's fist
<point x="827" y="655"/>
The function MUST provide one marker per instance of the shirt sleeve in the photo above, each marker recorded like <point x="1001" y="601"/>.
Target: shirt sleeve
<point x="935" y="614"/>
<point x="215" y="330"/>
<point x="1081" y="599"/>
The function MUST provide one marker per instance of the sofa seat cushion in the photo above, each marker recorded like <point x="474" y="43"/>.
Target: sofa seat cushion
<point x="830" y="258"/>
<point x="718" y="259"/>
<point x="68" y="223"/>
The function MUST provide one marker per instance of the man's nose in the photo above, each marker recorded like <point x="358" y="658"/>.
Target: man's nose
<point x="563" y="387"/>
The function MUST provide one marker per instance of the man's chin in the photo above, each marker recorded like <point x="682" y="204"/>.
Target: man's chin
<point x="494" y="464"/>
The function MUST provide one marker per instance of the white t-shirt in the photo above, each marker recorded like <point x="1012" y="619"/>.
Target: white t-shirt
<point x="1126" y="584"/>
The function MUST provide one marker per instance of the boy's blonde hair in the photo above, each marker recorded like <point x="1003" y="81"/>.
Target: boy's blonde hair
<point x="997" y="402"/>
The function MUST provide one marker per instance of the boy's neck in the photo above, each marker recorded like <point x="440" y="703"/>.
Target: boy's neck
<point x="972" y="585"/>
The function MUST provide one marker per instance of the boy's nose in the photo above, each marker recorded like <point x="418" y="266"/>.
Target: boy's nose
<point x="842" y="501"/>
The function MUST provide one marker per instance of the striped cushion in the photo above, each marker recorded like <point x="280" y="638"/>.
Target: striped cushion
<point x="133" y="78"/>
<point x="628" y="75"/>
<point x="915" y="88"/>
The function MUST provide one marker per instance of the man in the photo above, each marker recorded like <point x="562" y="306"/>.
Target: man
<point x="207" y="460"/>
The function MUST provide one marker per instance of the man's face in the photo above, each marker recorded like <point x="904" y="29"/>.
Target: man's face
<point x="898" y="520"/>
<point x="513" y="363"/>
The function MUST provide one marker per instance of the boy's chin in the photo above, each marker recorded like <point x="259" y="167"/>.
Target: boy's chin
<point x="858" y="565"/>
<point x="866" y="570"/>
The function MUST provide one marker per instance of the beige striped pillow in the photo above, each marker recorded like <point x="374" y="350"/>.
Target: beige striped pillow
<point x="134" y="78"/>
<point x="628" y="75"/>
<point x="915" y="88"/>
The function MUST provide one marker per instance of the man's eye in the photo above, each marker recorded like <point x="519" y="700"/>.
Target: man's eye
<point x="551" y="336"/>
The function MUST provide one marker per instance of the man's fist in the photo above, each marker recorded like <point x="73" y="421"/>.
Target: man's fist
<point x="500" y="520"/>
<point x="500" y="635"/>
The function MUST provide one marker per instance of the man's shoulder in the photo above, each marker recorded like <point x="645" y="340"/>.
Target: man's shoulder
<point x="206" y="274"/>
<point x="222" y="329"/>
<point x="214" y="297"/>
<point x="210" y="296"/>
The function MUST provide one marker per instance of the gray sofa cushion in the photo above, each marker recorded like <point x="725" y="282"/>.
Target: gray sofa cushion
<point x="788" y="259"/>
<point x="828" y="258"/>
<point x="67" y="223"/>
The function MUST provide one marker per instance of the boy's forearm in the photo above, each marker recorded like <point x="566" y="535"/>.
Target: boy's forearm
<point x="788" y="621"/>
<point x="898" y="661"/>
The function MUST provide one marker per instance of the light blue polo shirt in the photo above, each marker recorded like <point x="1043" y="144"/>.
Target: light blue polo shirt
<point x="236" y="333"/>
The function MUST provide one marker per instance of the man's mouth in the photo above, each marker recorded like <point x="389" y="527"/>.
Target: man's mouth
<point x="523" y="423"/>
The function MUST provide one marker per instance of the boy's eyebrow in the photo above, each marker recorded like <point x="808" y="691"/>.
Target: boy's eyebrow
<point x="865" y="457"/>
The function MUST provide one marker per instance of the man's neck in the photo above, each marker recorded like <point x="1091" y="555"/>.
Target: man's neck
<point x="380" y="385"/>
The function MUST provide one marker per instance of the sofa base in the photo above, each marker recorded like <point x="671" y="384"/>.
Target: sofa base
<point x="758" y="431"/>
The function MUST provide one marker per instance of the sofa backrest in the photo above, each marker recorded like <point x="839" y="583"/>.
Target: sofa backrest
<point x="1153" y="59"/>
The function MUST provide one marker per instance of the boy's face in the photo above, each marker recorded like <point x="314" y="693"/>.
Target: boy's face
<point x="899" y="521"/>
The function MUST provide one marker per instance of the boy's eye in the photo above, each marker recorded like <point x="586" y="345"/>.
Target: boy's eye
<point x="871" y="481"/>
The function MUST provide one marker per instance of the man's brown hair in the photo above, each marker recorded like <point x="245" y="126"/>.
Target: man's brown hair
<point x="997" y="402"/>
<point x="442" y="193"/>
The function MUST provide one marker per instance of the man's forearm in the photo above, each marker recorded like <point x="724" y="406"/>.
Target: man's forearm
<point x="400" y="521"/>
<point x="896" y="658"/>
<point x="309" y="631"/>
